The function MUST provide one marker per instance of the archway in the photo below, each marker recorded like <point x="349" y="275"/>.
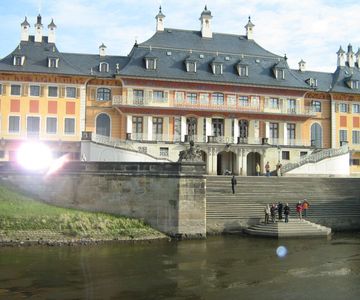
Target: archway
<point x="251" y="160"/>
<point x="226" y="161"/>
<point x="316" y="135"/>
<point x="103" y="124"/>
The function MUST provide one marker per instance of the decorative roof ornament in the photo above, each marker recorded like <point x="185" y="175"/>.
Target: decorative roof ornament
<point x="160" y="20"/>
<point x="160" y="14"/>
<point x="249" y="24"/>
<point x="38" y="20"/>
<point x="206" y="12"/>
<point x="340" y="51"/>
<point x="249" y="29"/>
<point x="52" y="24"/>
<point x="25" y="23"/>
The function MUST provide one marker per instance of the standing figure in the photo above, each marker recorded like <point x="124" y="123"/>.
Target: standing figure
<point x="305" y="206"/>
<point x="286" y="212"/>
<point x="233" y="183"/>
<point x="280" y="210"/>
<point x="299" y="209"/>
<point x="278" y="168"/>
<point x="267" y="213"/>
<point x="267" y="169"/>
<point x="273" y="212"/>
<point x="257" y="169"/>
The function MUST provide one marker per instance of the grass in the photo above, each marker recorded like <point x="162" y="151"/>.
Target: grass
<point x="23" y="218"/>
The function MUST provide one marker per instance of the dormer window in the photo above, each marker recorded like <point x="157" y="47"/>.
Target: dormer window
<point x="217" y="68"/>
<point x="104" y="67"/>
<point x="150" y="63"/>
<point x="279" y="73"/>
<point x="19" y="60"/>
<point x="191" y="66"/>
<point x="243" y="70"/>
<point x="312" y="82"/>
<point x="353" y="84"/>
<point x="53" y="62"/>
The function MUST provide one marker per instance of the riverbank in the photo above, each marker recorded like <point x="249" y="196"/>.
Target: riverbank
<point x="26" y="221"/>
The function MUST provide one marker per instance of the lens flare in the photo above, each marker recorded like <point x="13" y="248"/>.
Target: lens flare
<point x="34" y="156"/>
<point x="281" y="251"/>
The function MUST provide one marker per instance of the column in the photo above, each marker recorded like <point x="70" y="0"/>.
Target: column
<point x="333" y="124"/>
<point x="149" y="128"/>
<point x="283" y="133"/>
<point x="183" y="128"/>
<point x="267" y="129"/>
<point x="227" y="131"/>
<point x="236" y="130"/>
<point x="82" y="108"/>
<point x="208" y="128"/>
<point x="128" y="124"/>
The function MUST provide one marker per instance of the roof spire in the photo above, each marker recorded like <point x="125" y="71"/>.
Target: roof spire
<point x="160" y="20"/>
<point x="249" y="29"/>
<point x="205" y="19"/>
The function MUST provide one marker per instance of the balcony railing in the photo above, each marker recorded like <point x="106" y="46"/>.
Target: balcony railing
<point x="209" y="105"/>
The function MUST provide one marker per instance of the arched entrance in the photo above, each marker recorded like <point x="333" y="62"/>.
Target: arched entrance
<point x="251" y="160"/>
<point x="226" y="162"/>
<point x="316" y="135"/>
<point x="103" y="124"/>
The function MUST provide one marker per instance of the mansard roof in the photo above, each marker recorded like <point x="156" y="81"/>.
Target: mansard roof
<point x="37" y="54"/>
<point x="340" y="78"/>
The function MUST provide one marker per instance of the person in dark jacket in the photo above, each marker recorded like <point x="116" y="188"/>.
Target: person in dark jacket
<point x="233" y="183"/>
<point x="286" y="212"/>
<point x="280" y="210"/>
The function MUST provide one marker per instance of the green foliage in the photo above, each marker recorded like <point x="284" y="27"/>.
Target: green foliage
<point x="20" y="213"/>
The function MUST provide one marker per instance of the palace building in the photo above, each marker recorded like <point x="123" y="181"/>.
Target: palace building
<point x="238" y="102"/>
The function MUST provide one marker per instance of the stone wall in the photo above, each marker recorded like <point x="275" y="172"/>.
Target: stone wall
<point x="168" y="196"/>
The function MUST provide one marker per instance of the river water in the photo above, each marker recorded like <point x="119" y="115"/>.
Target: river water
<point x="221" y="267"/>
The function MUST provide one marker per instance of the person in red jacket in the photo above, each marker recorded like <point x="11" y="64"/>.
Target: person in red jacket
<point x="299" y="209"/>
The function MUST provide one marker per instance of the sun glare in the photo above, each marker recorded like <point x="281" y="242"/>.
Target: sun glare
<point x="34" y="156"/>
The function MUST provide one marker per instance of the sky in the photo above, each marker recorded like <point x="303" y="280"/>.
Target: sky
<point x="312" y="30"/>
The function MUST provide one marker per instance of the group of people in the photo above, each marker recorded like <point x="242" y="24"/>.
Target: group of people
<point x="280" y="210"/>
<point x="267" y="169"/>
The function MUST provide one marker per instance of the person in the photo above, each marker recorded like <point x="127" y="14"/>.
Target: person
<point x="278" y="168"/>
<point x="227" y="172"/>
<point x="299" y="210"/>
<point x="233" y="183"/>
<point x="286" y="212"/>
<point x="305" y="206"/>
<point x="257" y="169"/>
<point x="267" y="169"/>
<point x="267" y="213"/>
<point x="273" y="212"/>
<point x="280" y="210"/>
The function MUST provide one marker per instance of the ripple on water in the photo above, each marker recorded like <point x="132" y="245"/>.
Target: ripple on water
<point x="313" y="272"/>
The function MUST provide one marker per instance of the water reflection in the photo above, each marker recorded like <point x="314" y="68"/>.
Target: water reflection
<point x="230" y="267"/>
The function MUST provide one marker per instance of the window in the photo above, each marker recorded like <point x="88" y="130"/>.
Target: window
<point x="218" y="127"/>
<point x="14" y="124"/>
<point x="52" y="91"/>
<point x="104" y="67"/>
<point x="34" y="90"/>
<point x="191" y="98"/>
<point x="138" y="97"/>
<point x="316" y="106"/>
<point x="291" y="104"/>
<point x="159" y="96"/>
<point x="217" y="99"/>
<point x="19" y="60"/>
<point x="191" y="126"/>
<point x="157" y="128"/>
<point x="285" y="155"/>
<point x="164" y="151"/>
<point x="103" y="125"/>
<point x="217" y="68"/>
<point x="274" y="103"/>
<point x="103" y="94"/>
<point x="291" y="129"/>
<point x="15" y="90"/>
<point x="280" y="74"/>
<point x="343" y="107"/>
<point x="243" y="70"/>
<point x="355" y="108"/>
<point x="1" y="90"/>
<point x="303" y="153"/>
<point x="33" y="126"/>
<point x="231" y="100"/>
<point x="69" y="126"/>
<point x="204" y="99"/>
<point x="243" y="101"/>
<point x="356" y="137"/>
<point x="274" y="130"/>
<point x="53" y="62"/>
<point x="137" y="128"/>
<point x="343" y="136"/>
<point x="243" y="130"/>
<point x="354" y="84"/>
<point x="179" y="97"/>
<point x="255" y="101"/>
<point x="191" y="66"/>
<point x="70" y="92"/>
<point x="51" y="125"/>
<point x="355" y="162"/>
<point x="150" y="63"/>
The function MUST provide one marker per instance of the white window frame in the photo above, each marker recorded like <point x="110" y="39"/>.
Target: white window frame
<point x="11" y="85"/>
<point x="148" y="65"/>
<point x="179" y="97"/>
<point x="66" y="92"/>
<point x="34" y="85"/>
<point x="204" y="98"/>
<point x="354" y="111"/>
<point x="33" y="116"/>
<point x="70" y="134"/>
<point x="14" y="132"/>
<point x="50" y="62"/>
<point x="57" y="93"/>
<point x="57" y="125"/>
<point x="106" y="67"/>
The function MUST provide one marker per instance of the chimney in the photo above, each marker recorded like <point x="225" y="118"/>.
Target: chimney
<point x="38" y="30"/>
<point x="160" y="20"/>
<point x="25" y="30"/>
<point x="51" y="33"/>
<point x="205" y="19"/>
<point x="102" y="50"/>
<point x="302" y="66"/>
<point x="249" y="29"/>
<point x="341" y="57"/>
<point x="350" y="57"/>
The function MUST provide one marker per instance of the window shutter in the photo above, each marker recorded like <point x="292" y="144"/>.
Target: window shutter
<point x="77" y="93"/>
<point x="92" y="94"/>
<point x="25" y="89"/>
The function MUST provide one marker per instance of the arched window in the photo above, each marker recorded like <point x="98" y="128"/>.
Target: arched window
<point x="103" y="94"/>
<point x="316" y="135"/>
<point x="104" y="67"/>
<point x="103" y="125"/>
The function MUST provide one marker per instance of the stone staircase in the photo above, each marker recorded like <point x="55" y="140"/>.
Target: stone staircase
<point x="334" y="202"/>
<point x="294" y="228"/>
